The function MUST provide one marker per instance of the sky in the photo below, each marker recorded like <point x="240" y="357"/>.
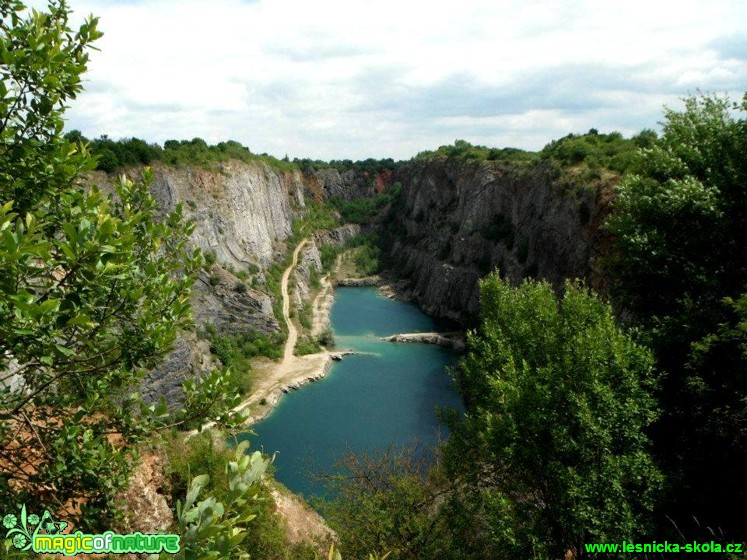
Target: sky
<point x="331" y="79"/>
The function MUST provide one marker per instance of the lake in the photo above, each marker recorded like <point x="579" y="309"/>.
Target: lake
<point x="387" y="395"/>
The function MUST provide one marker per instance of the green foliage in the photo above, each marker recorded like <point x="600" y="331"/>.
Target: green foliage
<point x="315" y="217"/>
<point x="207" y="454"/>
<point x="210" y="398"/>
<point x="365" y="210"/>
<point x="368" y="253"/>
<point x="113" y="154"/>
<point x="596" y="151"/>
<point x="235" y="351"/>
<point x="368" y="166"/>
<point x="305" y="315"/>
<point x="218" y="526"/>
<point x="93" y="290"/>
<point x="87" y="302"/>
<point x="209" y="257"/>
<point x="41" y="63"/>
<point x="679" y="268"/>
<point x="327" y="338"/>
<point x="553" y="452"/>
<point x="315" y="279"/>
<point x="240" y="287"/>
<point x="329" y="255"/>
<point x="388" y="503"/>
<point x="464" y="151"/>
<point x="368" y="259"/>
<point x="306" y="345"/>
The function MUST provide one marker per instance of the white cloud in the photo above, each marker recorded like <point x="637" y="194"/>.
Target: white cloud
<point x="386" y="78"/>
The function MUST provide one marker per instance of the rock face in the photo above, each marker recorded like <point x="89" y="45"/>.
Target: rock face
<point x="242" y="213"/>
<point x="309" y="263"/>
<point x="338" y="236"/>
<point x="454" y="223"/>
<point x="348" y="185"/>
<point x="457" y="221"/>
<point x="221" y="299"/>
<point x="189" y="359"/>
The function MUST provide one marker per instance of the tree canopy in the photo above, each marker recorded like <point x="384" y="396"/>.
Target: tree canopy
<point x="93" y="288"/>
<point x="679" y="268"/>
<point x="553" y="449"/>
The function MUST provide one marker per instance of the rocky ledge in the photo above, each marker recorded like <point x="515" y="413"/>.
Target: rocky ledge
<point x="455" y="341"/>
<point x="357" y="282"/>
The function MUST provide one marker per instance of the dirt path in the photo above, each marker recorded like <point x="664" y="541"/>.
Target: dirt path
<point x="271" y="379"/>
<point x="290" y="343"/>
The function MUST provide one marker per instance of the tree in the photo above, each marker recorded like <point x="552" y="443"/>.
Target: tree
<point x="41" y="62"/>
<point x="93" y="288"/>
<point x="389" y="502"/>
<point x="679" y="268"/>
<point x="553" y="451"/>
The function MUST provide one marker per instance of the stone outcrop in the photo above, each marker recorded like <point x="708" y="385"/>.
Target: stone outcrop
<point x="457" y="221"/>
<point x="309" y="263"/>
<point x="349" y="184"/>
<point x="359" y="282"/>
<point x="455" y="341"/>
<point x="240" y="210"/>
<point x="242" y="213"/>
<point x="338" y="236"/>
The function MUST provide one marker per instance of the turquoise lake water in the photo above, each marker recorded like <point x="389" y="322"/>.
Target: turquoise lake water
<point x="386" y="396"/>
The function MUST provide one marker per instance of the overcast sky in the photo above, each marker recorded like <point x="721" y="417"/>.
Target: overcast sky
<point x="388" y="78"/>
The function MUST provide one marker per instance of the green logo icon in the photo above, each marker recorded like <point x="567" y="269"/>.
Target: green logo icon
<point x="44" y="534"/>
<point x="22" y="529"/>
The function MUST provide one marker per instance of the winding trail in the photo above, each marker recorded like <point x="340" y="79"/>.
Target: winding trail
<point x="272" y="379"/>
<point x="302" y="524"/>
<point x="290" y="343"/>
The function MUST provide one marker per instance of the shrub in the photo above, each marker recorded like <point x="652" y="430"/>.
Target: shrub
<point x="553" y="451"/>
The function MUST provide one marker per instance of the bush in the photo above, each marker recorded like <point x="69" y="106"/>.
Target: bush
<point x="235" y="514"/>
<point x="553" y="452"/>
<point x="365" y="210"/>
<point x="327" y="338"/>
<point x="209" y="257"/>
<point x="679" y="269"/>
<point x="235" y="351"/>
<point x="306" y="345"/>
<point x="305" y="315"/>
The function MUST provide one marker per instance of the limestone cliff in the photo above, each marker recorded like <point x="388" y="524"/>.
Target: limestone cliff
<point x="457" y="220"/>
<point x="242" y="214"/>
<point x="454" y="222"/>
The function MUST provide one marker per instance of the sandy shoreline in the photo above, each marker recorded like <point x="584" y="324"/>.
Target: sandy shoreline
<point x="293" y="371"/>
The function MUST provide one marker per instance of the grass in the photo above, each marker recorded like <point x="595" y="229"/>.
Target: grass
<point x="306" y="345"/>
